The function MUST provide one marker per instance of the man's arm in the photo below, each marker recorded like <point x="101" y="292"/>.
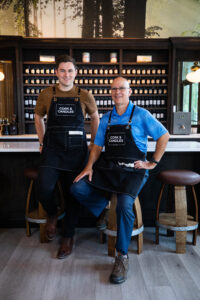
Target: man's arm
<point x="161" y="144"/>
<point x="40" y="129"/>
<point x="94" y="126"/>
<point x="94" y="155"/>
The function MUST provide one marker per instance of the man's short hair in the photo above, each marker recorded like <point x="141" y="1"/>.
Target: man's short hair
<point x="65" y="58"/>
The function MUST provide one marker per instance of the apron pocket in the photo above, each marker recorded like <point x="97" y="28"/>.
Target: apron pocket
<point x="56" y="140"/>
<point x="76" y="139"/>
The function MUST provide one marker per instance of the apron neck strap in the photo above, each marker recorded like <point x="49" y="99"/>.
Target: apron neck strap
<point x="130" y="119"/>
<point x="54" y="93"/>
<point x="131" y="116"/>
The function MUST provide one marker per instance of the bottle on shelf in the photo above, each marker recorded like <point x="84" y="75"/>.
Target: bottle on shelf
<point x="30" y="102"/>
<point x="34" y="101"/>
<point x="143" y="71"/>
<point x="115" y="71"/>
<point x="32" y="70"/>
<point x="85" y="71"/>
<point x="138" y="71"/>
<point x="148" y="71"/>
<point x="27" y="70"/>
<point x="133" y="71"/>
<point x="26" y="80"/>
<point x="37" y="70"/>
<point x="26" y="102"/>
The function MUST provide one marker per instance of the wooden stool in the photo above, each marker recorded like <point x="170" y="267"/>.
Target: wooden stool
<point x="39" y="215"/>
<point x="111" y="230"/>
<point x="180" y="221"/>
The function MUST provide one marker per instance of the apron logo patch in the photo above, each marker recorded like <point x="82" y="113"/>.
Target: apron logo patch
<point x="65" y="110"/>
<point x="116" y="139"/>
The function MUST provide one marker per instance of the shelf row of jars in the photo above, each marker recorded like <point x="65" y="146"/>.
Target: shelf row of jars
<point x="99" y="70"/>
<point x="40" y="80"/>
<point x="96" y="81"/>
<point x="30" y="116"/>
<point x="159" y="115"/>
<point x="30" y="102"/>
<point x="33" y="69"/>
<point x="150" y="102"/>
<point x="134" y="81"/>
<point x="144" y="70"/>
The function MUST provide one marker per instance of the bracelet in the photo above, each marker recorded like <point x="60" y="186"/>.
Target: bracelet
<point x="41" y="145"/>
<point x="154" y="161"/>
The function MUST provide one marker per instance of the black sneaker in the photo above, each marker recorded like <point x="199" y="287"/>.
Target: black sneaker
<point x="120" y="270"/>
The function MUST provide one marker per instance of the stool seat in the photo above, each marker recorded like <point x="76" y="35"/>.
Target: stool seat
<point x="31" y="173"/>
<point x="179" y="177"/>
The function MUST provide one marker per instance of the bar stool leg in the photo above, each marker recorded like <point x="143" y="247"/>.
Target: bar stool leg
<point x="181" y="217"/>
<point x="28" y="231"/>
<point x="42" y="215"/>
<point x="138" y="216"/>
<point x="112" y="225"/>
<point x="157" y="213"/>
<point x="194" y="240"/>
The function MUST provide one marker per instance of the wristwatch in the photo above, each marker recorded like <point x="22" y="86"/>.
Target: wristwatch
<point x="154" y="161"/>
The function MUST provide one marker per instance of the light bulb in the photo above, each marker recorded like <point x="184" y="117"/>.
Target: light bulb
<point x="193" y="76"/>
<point x="2" y="76"/>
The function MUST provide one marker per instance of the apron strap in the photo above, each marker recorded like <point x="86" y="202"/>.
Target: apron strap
<point x="54" y="93"/>
<point x="130" y="119"/>
<point x="131" y="116"/>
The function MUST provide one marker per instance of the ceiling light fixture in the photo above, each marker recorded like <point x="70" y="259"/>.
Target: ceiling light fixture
<point x="2" y="76"/>
<point x="194" y="75"/>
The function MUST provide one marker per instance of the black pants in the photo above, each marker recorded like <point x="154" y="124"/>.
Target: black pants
<point x="46" y="185"/>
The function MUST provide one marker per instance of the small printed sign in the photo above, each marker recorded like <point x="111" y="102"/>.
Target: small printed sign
<point x="144" y="58"/>
<point x="116" y="139"/>
<point x="67" y="110"/>
<point x="47" y="58"/>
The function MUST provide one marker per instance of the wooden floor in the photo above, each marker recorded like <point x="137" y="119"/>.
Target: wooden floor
<point x="29" y="270"/>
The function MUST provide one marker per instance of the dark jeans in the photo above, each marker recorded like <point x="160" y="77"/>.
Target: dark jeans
<point x="46" y="184"/>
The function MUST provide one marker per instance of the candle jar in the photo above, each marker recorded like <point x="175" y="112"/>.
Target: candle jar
<point x="113" y="57"/>
<point x="86" y="57"/>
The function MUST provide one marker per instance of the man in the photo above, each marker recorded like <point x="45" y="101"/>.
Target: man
<point x="63" y="145"/>
<point x="122" y="168"/>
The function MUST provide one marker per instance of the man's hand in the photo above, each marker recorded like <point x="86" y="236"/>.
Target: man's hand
<point x="147" y="165"/>
<point x="41" y="147"/>
<point x="87" y="171"/>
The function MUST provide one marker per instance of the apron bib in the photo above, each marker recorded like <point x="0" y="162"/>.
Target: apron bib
<point x="114" y="171"/>
<point x="65" y="143"/>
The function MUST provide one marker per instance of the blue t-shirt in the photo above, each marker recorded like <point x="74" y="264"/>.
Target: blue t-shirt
<point x="143" y="124"/>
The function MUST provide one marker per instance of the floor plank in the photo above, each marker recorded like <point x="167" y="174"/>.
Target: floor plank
<point x="30" y="270"/>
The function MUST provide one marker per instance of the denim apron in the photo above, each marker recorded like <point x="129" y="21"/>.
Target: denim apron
<point x="114" y="171"/>
<point x="65" y="143"/>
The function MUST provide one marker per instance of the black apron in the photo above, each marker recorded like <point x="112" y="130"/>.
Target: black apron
<point x="114" y="171"/>
<point x="65" y="143"/>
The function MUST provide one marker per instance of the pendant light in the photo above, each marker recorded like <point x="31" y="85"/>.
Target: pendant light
<point x="2" y="76"/>
<point x="194" y="75"/>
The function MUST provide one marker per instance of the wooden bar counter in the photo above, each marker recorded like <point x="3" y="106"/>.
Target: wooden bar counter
<point x="22" y="151"/>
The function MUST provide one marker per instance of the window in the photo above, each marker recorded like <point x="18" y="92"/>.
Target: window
<point x="189" y="93"/>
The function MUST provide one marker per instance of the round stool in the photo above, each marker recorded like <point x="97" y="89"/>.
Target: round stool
<point x="111" y="229"/>
<point x="179" y="221"/>
<point x="39" y="215"/>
